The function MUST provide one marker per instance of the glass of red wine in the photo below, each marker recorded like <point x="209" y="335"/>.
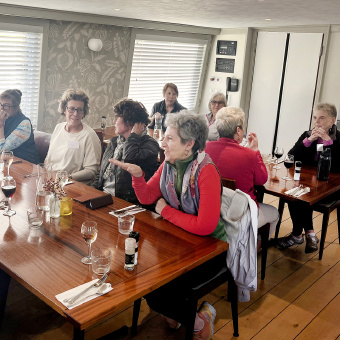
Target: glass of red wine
<point x="89" y="231"/>
<point x="278" y="154"/>
<point x="8" y="187"/>
<point x="288" y="162"/>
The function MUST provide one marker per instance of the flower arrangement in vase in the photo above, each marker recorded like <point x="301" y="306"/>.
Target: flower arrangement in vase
<point x="57" y="192"/>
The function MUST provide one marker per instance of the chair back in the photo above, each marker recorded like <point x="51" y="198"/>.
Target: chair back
<point x="229" y="183"/>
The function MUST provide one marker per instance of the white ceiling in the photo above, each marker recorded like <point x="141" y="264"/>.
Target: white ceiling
<point x="206" y="13"/>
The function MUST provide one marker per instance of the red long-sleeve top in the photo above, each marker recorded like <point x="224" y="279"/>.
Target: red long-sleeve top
<point x="209" y="186"/>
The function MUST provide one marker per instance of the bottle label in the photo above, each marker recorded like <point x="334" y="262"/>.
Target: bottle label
<point x="129" y="259"/>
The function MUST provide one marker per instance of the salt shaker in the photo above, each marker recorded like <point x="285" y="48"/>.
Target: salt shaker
<point x="130" y="249"/>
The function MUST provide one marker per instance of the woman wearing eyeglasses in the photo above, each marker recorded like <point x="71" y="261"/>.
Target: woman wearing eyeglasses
<point x="217" y="101"/>
<point x="74" y="147"/>
<point x="16" y="131"/>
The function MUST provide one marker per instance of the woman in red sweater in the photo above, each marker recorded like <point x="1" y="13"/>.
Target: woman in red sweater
<point x="187" y="189"/>
<point x="244" y="164"/>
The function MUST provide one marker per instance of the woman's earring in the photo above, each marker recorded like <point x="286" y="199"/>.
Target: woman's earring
<point x="186" y="153"/>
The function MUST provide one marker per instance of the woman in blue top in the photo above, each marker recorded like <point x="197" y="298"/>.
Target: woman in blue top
<point x="16" y="131"/>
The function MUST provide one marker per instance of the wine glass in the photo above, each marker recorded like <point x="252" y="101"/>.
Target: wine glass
<point x="288" y="162"/>
<point x="89" y="231"/>
<point x="62" y="177"/>
<point x="7" y="157"/>
<point x="8" y="187"/>
<point x="278" y="154"/>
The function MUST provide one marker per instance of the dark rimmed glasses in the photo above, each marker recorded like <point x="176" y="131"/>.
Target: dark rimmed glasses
<point x="72" y="109"/>
<point x="7" y="106"/>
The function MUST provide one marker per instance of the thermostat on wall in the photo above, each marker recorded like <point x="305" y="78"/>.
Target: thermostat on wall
<point x="226" y="47"/>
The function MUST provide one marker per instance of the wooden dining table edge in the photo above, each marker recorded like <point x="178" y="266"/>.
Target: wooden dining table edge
<point x="142" y="279"/>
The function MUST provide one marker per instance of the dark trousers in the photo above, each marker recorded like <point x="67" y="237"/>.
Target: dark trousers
<point x="170" y="299"/>
<point x="302" y="216"/>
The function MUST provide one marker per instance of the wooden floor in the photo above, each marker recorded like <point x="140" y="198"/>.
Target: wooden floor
<point x="299" y="299"/>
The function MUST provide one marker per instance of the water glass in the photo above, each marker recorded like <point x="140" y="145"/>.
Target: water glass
<point x="101" y="261"/>
<point x="66" y="206"/>
<point x="125" y="224"/>
<point x="35" y="218"/>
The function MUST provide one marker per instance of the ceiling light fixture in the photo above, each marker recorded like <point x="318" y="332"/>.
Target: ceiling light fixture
<point x="95" y="45"/>
<point x="268" y="19"/>
<point x="117" y="9"/>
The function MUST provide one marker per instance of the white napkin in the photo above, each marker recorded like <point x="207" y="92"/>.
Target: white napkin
<point x="89" y="295"/>
<point x="288" y="192"/>
<point x="68" y="182"/>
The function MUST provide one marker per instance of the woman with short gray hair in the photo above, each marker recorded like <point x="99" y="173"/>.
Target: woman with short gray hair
<point x="216" y="102"/>
<point x="187" y="189"/>
<point x="245" y="165"/>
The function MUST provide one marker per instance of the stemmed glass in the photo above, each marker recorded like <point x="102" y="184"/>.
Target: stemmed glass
<point x="278" y="154"/>
<point x="288" y="162"/>
<point x="89" y="231"/>
<point x="8" y="187"/>
<point x="7" y="157"/>
<point x="62" y="177"/>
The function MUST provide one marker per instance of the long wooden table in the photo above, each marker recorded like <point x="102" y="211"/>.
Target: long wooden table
<point x="48" y="261"/>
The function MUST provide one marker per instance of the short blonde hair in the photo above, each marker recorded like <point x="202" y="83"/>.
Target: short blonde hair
<point x="228" y="119"/>
<point x="329" y="108"/>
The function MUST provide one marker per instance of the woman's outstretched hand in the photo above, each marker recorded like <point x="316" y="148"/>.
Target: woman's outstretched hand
<point x="133" y="169"/>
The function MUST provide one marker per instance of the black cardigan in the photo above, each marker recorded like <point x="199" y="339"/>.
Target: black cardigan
<point x="307" y="155"/>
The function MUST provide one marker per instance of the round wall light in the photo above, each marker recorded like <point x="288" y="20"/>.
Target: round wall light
<point x="95" y="45"/>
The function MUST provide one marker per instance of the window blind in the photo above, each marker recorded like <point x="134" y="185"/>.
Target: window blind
<point x="156" y="63"/>
<point x="20" y="60"/>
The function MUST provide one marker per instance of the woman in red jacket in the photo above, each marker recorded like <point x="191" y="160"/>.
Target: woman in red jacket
<point x="187" y="189"/>
<point x="244" y="164"/>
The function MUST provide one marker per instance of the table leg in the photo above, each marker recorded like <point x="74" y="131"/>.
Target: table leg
<point x="5" y="279"/>
<point x="78" y="334"/>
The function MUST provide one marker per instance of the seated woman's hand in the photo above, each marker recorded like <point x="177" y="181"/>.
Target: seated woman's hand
<point x="138" y="128"/>
<point x="160" y="205"/>
<point x="133" y="169"/>
<point x="253" y="141"/>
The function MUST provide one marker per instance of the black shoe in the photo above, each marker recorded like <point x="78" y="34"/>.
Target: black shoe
<point x="288" y="241"/>
<point x="311" y="243"/>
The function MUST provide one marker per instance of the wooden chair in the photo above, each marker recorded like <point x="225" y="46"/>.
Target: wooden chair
<point x="325" y="207"/>
<point x="263" y="231"/>
<point x="193" y="297"/>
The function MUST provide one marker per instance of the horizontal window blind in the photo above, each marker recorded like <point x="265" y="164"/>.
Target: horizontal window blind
<point x="156" y="63"/>
<point x="20" y="60"/>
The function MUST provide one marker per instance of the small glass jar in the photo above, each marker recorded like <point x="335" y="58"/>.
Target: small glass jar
<point x="54" y="207"/>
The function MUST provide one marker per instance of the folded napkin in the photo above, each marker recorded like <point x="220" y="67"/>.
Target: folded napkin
<point x="297" y="191"/>
<point x="89" y="295"/>
<point x="68" y="182"/>
<point x="288" y="192"/>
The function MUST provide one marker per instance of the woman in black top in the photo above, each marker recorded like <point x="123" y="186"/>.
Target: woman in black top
<point x="305" y="150"/>
<point x="168" y="105"/>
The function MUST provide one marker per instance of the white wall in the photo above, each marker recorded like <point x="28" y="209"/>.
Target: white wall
<point x="331" y="83"/>
<point x="210" y="87"/>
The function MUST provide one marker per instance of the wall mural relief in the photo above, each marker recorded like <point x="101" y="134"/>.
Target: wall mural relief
<point x="71" y="64"/>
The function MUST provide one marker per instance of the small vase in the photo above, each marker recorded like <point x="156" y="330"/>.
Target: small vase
<point x="54" y="207"/>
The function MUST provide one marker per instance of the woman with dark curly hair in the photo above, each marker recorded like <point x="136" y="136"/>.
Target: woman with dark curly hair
<point x="132" y="145"/>
<point x="74" y="147"/>
<point x="16" y="131"/>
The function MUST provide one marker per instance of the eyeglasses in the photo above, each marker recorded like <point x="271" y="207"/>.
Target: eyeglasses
<point x="72" y="109"/>
<point x="214" y="102"/>
<point x="7" y="106"/>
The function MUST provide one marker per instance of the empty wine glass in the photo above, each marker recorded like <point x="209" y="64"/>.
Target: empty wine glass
<point x="62" y="177"/>
<point x="8" y="187"/>
<point x="89" y="231"/>
<point x="288" y="162"/>
<point x="7" y="157"/>
<point x="278" y="154"/>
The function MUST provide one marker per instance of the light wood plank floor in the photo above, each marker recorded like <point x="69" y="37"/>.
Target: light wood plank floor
<point x="299" y="299"/>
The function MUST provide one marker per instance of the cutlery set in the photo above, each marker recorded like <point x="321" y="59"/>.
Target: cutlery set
<point x="132" y="209"/>
<point x="298" y="191"/>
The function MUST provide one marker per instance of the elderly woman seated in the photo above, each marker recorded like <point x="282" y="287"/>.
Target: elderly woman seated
<point x="187" y="189"/>
<point x="243" y="164"/>
<point x="132" y="145"/>
<point x="217" y="101"/>
<point x="74" y="146"/>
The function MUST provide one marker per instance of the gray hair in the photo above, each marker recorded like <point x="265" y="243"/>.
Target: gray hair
<point x="329" y="108"/>
<point x="220" y="97"/>
<point x="190" y="126"/>
<point x="228" y="119"/>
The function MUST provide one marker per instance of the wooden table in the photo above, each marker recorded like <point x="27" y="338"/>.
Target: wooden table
<point x="319" y="190"/>
<point x="48" y="261"/>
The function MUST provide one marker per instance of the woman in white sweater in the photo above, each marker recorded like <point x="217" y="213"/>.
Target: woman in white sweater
<point x="74" y="146"/>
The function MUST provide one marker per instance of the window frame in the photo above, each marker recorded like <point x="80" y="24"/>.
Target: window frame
<point x="140" y="34"/>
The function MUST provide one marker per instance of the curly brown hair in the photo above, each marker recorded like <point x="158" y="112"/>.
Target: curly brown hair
<point x="73" y="95"/>
<point x="132" y="112"/>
